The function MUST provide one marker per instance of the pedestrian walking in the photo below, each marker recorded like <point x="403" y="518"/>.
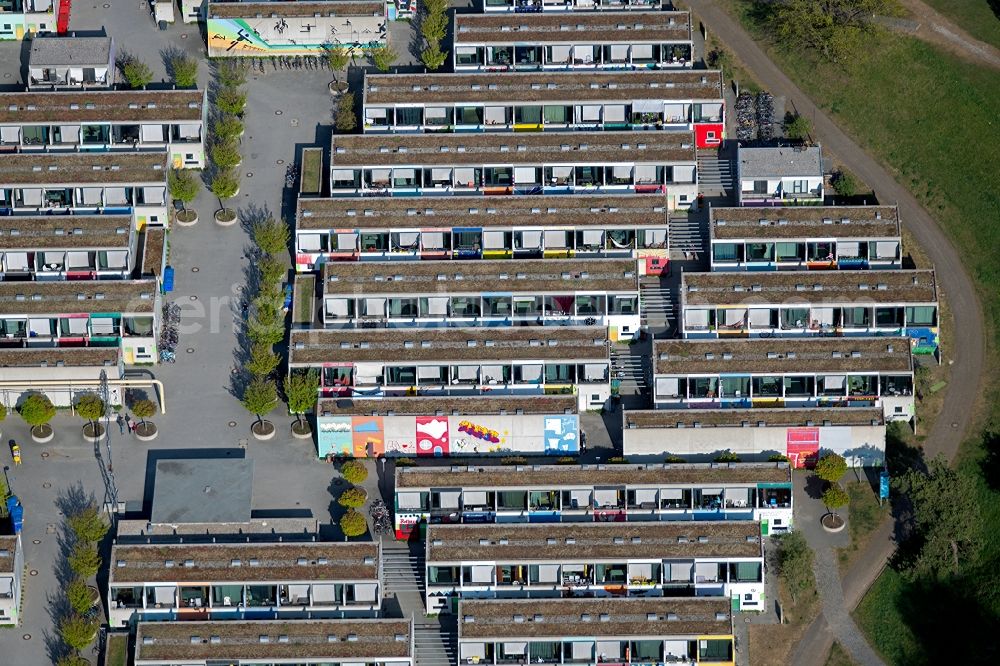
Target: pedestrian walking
<point x="131" y="424"/>
<point x="121" y="423"/>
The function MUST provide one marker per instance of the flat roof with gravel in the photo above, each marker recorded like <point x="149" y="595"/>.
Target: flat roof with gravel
<point x="804" y="222"/>
<point x="421" y="405"/>
<point x="154" y="247"/>
<point x="101" y="168"/>
<point x="388" y="150"/>
<point x="752" y="418"/>
<point x="77" y="357"/>
<point x="78" y="296"/>
<point x="121" y="106"/>
<point x="8" y="552"/>
<point x="572" y="27"/>
<point x="655" y="617"/>
<point x="584" y="343"/>
<point x="70" y="51"/>
<point x="528" y="477"/>
<point x="522" y="542"/>
<point x="285" y="640"/>
<point x="782" y="355"/>
<point x="243" y="562"/>
<point x="780" y="161"/>
<point x="813" y="287"/>
<point x="547" y="86"/>
<point x="543" y="211"/>
<point x="476" y="277"/>
<point x="30" y="232"/>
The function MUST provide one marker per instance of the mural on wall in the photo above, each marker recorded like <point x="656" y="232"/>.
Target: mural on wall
<point x="369" y="436"/>
<point x="802" y="446"/>
<point x="237" y="37"/>
<point x="561" y="434"/>
<point x="432" y="435"/>
<point x="336" y="436"/>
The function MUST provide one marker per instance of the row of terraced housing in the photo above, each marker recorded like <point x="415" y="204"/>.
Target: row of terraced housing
<point x="84" y="219"/>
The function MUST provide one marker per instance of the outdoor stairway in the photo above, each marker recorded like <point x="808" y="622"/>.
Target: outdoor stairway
<point x="715" y="174"/>
<point x="435" y="641"/>
<point x="631" y="370"/>
<point x="687" y="234"/>
<point x="656" y="303"/>
<point x="402" y="567"/>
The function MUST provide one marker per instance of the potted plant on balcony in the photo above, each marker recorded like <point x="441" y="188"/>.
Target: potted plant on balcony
<point x="301" y="390"/>
<point x="90" y="408"/>
<point x="37" y="410"/>
<point x="259" y="397"/>
<point x="225" y="185"/>
<point x="145" y="431"/>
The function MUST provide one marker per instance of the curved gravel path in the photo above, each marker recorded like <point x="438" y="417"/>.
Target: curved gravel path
<point x="966" y="351"/>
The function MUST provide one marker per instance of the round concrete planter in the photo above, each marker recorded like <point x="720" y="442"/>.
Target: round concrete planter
<point x="303" y="432"/>
<point x="42" y="434"/>
<point x="262" y="430"/>
<point x="223" y="221"/>
<point x="146" y="432"/>
<point x="93" y="433"/>
<point x="833" y="523"/>
<point x="181" y="222"/>
<point x="338" y="88"/>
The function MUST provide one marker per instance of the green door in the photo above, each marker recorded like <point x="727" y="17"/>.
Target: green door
<point x="763" y="527"/>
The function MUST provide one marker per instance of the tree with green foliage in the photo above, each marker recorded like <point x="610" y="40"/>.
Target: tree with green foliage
<point x="354" y="472"/>
<point x="674" y="460"/>
<point x="263" y="361"/>
<point x="727" y="456"/>
<point x="345" y="118"/>
<point x="433" y="57"/>
<point x="383" y="57"/>
<point x="137" y="74"/>
<point x="272" y="270"/>
<point x="795" y="559"/>
<point x="143" y="409"/>
<point x="338" y="58"/>
<point x="225" y="185"/>
<point x="301" y="390"/>
<point x="434" y="21"/>
<point x="73" y="660"/>
<point x="833" y="28"/>
<point x="37" y="410"/>
<point x="231" y="73"/>
<point x="226" y="154"/>
<point x="90" y="407"/>
<point x="845" y="184"/>
<point x="271" y="235"/>
<point x="259" y="397"/>
<point x="352" y="498"/>
<point x="266" y="327"/>
<point x="353" y="524"/>
<point x="777" y="458"/>
<point x="88" y="525"/>
<point x="831" y="467"/>
<point x="79" y="596"/>
<point x="84" y="560"/>
<point x="947" y="518"/>
<point x="227" y="128"/>
<point x="231" y="100"/>
<point x="77" y="632"/>
<point x="797" y="127"/>
<point x="184" y="187"/>
<point x="3" y="411"/>
<point x="184" y="71"/>
<point x="835" y="497"/>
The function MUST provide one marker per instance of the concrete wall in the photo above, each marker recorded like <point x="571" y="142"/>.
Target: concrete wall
<point x="860" y="445"/>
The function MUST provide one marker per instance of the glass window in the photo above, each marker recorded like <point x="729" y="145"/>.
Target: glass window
<point x="766" y="387"/>
<point x="405" y="375"/>
<point x="374" y="242"/>
<point x="715" y="649"/>
<point x="744" y="572"/>
<point x="921" y="315"/>
<point x="888" y="316"/>
<point x="725" y="251"/>
<point x="856" y="317"/>
<point x="559" y="373"/>
<point x="36" y="135"/>
<point x="789" y="251"/>
<point x="735" y="386"/>
<point x="798" y="387"/>
<point x="589" y="175"/>
<point x="531" y="115"/>
<point x="821" y="251"/>
<point x="557" y="114"/>
<point x="760" y="251"/>
<point x="705" y="387"/>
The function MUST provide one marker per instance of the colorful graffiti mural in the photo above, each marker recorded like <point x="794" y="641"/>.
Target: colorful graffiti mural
<point x="271" y="37"/>
<point x="802" y="446"/>
<point x="479" y="432"/>
<point x="432" y="435"/>
<point x="561" y="434"/>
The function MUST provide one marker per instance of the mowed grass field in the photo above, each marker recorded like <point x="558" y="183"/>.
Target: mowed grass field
<point x="934" y="121"/>
<point x="974" y="16"/>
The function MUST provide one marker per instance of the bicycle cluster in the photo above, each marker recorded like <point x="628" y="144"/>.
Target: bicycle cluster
<point x="381" y="517"/>
<point x="754" y="116"/>
<point x="168" y="333"/>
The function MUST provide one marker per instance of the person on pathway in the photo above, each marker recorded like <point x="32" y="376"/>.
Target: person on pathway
<point x="121" y="423"/>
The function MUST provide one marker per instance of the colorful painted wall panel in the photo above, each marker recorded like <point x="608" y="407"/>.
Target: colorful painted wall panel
<point x="270" y="36"/>
<point x="368" y="436"/>
<point x="335" y="436"/>
<point x="432" y="435"/>
<point x="802" y="446"/>
<point x="561" y="436"/>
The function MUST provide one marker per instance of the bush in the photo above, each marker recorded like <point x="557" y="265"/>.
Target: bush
<point x="138" y="74"/>
<point x="231" y="101"/>
<point x="565" y="460"/>
<point x="513" y="460"/>
<point x="353" y="524"/>
<point x="79" y="597"/>
<point x="77" y="631"/>
<point x="231" y="73"/>
<point x="831" y="467"/>
<point x="797" y="127"/>
<point x="406" y="462"/>
<point x="271" y="235"/>
<point x="345" y="119"/>
<point x="183" y="185"/>
<point x="727" y="456"/>
<point x="3" y="411"/>
<point x="617" y="460"/>
<point x="225" y="185"/>
<point x="263" y="361"/>
<point x="88" y="525"/>
<point x="143" y="409"/>
<point x="227" y="128"/>
<point x="37" y="410"/>
<point x="777" y="458"/>
<point x="354" y="472"/>
<point x="84" y="560"/>
<point x="90" y="407"/>
<point x="845" y="184"/>
<point x="352" y="498"/>
<point x="795" y="563"/>
<point x="226" y="155"/>
<point x="674" y="460"/>
<point x="184" y="71"/>
<point x="73" y="660"/>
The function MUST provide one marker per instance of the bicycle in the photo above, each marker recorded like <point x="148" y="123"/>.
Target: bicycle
<point x="167" y="356"/>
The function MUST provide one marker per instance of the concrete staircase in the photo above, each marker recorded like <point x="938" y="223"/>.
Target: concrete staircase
<point x="435" y="641"/>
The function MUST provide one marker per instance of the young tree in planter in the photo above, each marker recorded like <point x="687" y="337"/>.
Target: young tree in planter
<point x="433" y="57"/>
<point x="259" y="398"/>
<point x="226" y="154"/>
<point x="137" y="73"/>
<point x="77" y="632"/>
<point x="727" y="456"/>
<point x="353" y="524"/>
<point x="300" y="389"/>
<point x="79" y="596"/>
<point x="352" y="498"/>
<point x="184" y="71"/>
<point x="91" y="408"/>
<point x="354" y="472"/>
<point x="266" y="327"/>
<point x="835" y="497"/>
<point x="831" y="467"/>
<point x="37" y="410"/>
<point x="143" y="409"/>
<point x="88" y="525"/>
<point x="272" y="270"/>
<point x="271" y="235"/>
<point x="225" y="185"/>
<point x="84" y="560"/>
<point x="337" y="57"/>
<point x="263" y="360"/>
<point x="227" y="128"/>
<point x="184" y="187"/>
<point x="231" y="73"/>
<point x="345" y="119"/>
<point x="231" y="100"/>
<point x="383" y="57"/>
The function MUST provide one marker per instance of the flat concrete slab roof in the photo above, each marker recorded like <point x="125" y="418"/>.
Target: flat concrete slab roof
<point x="203" y="491"/>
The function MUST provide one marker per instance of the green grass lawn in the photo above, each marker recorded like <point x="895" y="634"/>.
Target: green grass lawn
<point x="312" y="166"/>
<point x="974" y="16"/>
<point x="863" y="515"/>
<point x="117" y="650"/>
<point x="933" y="119"/>
<point x="304" y="293"/>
